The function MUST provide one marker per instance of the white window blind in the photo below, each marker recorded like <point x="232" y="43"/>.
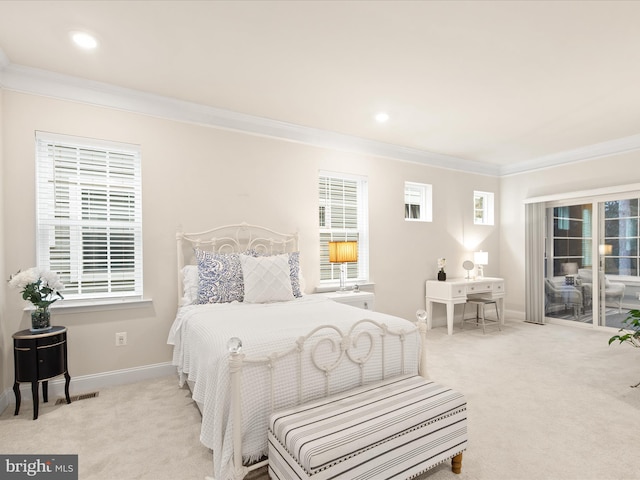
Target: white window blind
<point x="417" y="202"/>
<point x="483" y="208"/>
<point x="343" y="216"/>
<point x="89" y="215"/>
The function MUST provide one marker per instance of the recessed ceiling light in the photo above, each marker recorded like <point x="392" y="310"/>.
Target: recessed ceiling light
<point x="382" y="117"/>
<point x="84" y="40"/>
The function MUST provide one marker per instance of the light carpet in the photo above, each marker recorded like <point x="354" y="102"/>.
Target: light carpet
<point x="545" y="403"/>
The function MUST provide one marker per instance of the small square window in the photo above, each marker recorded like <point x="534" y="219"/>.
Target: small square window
<point x="417" y="202"/>
<point x="483" y="208"/>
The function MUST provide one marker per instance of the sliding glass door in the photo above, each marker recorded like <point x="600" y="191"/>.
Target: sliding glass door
<point x="618" y="249"/>
<point x="568" y="262"/>
<point x="591" y="261"/>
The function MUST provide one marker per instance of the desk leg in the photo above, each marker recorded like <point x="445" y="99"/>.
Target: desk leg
<point x="450" y="311"/>
<point x="501" y="307"/>
<point x="45" y="391"/>
<point x="34" y="394"/>
<point x="16" y="391"/>
<point x="429" y="314"/>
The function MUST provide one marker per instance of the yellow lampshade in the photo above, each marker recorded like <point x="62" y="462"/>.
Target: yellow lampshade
<point x="340" y="252"/>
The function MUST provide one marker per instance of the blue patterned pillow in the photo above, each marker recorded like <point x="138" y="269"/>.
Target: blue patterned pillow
<point x="219" y="277"/>
<point x="294" y="266"/>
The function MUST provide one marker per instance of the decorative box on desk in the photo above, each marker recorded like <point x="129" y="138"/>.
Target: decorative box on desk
<point x="359" y="299"/>
<point x="39" y="357"/>
<point x="456" y="290"/>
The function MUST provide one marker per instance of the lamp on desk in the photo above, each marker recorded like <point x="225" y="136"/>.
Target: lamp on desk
<point x="342" y="253"/>
<point x="570" y="270"/>
<point x="605" y="249"/>
<point x="481" y="259"/>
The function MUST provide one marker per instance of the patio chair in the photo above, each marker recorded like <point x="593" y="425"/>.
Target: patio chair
<point x="565" y="295"/>
<point x="613" y="291"/>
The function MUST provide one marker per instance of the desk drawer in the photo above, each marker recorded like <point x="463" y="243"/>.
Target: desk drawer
<point x="445" y="290"/>
<point x="480" y="287"/>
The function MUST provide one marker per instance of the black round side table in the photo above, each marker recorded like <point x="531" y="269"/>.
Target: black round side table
<point x="39" y="357"/>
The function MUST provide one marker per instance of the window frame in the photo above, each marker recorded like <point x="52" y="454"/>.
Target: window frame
<point x="424" y="191"/>
<point x="357" y="272"/>
<point x="88" y="189"/>
<point x="486" y="216"/>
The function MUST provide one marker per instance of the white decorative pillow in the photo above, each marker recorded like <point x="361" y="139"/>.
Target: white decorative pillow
<point x="297" y="280"/>
<point x="190" y="284"/>
<point x="266" y="279"/>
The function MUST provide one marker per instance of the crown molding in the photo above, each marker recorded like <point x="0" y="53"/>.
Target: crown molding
<point x="589" y="152"/>
<point x="41" y="82"/>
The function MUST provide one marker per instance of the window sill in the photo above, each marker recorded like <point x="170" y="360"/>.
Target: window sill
<point x="83" y="306"/>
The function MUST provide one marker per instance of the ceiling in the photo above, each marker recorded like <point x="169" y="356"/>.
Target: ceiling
<point x="496" y="83"/>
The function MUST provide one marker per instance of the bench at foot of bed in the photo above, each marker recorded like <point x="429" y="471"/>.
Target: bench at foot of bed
<point x="400" y="427"/>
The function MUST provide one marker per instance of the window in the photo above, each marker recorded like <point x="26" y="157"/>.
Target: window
<point x="89" y="222"/>
<point x="621" y="235"/>
<point x="417" y="202"/>
<point x="343" y="215"/>
<point x="483" y="208"/>
<point x="572" y="225"/>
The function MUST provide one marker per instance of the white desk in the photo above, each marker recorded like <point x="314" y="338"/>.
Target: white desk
<point x="456" y="291"/>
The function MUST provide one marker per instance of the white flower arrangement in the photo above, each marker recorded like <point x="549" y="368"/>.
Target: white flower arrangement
<point x="442" y="262"/>
<point x="40" y="287"/>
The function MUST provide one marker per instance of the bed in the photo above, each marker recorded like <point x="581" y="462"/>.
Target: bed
<point x="241" y="288"/>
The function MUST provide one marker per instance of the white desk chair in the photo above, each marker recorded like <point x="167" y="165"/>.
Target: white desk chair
<point x="480" y="318"/>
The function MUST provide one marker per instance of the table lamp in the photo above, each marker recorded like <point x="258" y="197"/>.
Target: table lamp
<point x="342" y="253"/>
<point x="570" y="270"/>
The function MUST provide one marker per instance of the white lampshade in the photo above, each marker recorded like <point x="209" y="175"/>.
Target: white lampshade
<point x="605" y="249"/>
<point x="481" y="258"/>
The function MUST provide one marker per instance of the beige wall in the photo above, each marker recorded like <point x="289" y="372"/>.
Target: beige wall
<point x="197" y="177"/>
<point x="588" y="175"/>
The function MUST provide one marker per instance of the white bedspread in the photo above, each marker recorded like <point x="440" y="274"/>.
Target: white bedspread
<point x="200" y="334"/>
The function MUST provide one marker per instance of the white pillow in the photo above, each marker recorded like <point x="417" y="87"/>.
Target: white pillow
<point x="266" y="279"/>
<point x="189" y="284"/>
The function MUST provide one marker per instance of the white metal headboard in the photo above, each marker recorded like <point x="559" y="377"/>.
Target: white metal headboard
<point x="235" y="238"/>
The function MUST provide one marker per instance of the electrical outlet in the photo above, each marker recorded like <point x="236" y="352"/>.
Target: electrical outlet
<point x="121" y="339"/>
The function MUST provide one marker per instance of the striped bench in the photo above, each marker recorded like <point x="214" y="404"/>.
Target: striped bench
<point x="397" y="428"/>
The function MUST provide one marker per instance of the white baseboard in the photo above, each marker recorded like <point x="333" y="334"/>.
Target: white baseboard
<point x="514" y="315"/>
<point x="89" y="383"/>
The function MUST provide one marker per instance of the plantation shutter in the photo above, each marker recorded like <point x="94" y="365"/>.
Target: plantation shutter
<point x="343" y="216"/>
<point x="89" y="215"/>
<point x="412" y="201"/>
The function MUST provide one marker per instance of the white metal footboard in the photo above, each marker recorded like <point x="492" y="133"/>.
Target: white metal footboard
<point x="348" y="347"/>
